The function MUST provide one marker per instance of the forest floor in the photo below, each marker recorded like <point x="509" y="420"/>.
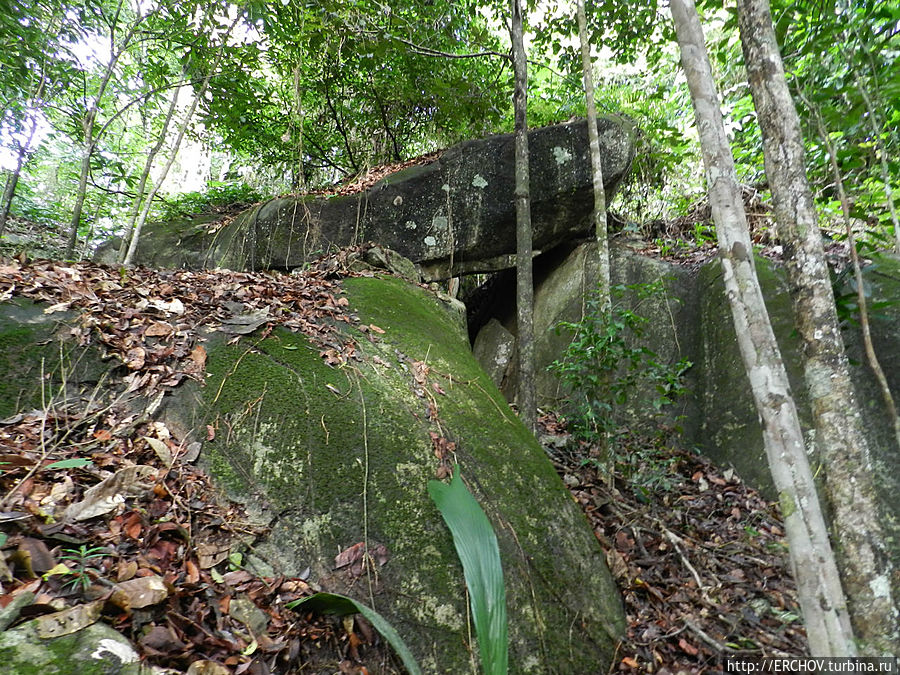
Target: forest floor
<point x="700" y="558"/>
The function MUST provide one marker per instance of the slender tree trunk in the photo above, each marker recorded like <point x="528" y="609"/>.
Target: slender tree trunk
<point x="599" y="212"/>
<point x="524" y="276"/>
<point x="818" y="584"/>
<point x="12" y="182"/>
<point x="139" y="225"/>
<point x="871" y="356"/>
<point x="10" y="190"/>
<point x="90" y="118"/>
<point x="880" y="150"/>
<point x="142" y="185"/>
<point x="865" y="563"/>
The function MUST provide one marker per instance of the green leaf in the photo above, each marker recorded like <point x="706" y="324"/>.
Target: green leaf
<point x="476" y="545"/>
<point x="69" y="464"/>
<point x="341" y="605"/>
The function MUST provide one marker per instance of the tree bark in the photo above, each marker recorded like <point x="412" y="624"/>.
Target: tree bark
<point x="864" y="560"/>
<point x="142" y="185"/>
<point x="818" y="584"/>
<point x="599" y="212"/>
<point x="90" y="118"/>
<point x="524" y="275"/>
<point x="139" y="225"/>
<point x="10" y="190"/>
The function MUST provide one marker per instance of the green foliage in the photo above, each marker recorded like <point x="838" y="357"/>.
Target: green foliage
<point x="218" y="196"/>
<point x="341" y="605"/>
<point x="476" y="545"/>
<point x="83" y="558"/>
<point x="605" y="364"/>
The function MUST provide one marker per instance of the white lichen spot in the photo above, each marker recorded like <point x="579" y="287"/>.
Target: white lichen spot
<point x="561" y="155"/>
<point x="398" y="200"/>
<point x="429" y="610"/>
<point x="312" y="528"/>
<point x="440" y="222"/>
<point x="410" y="225"/>
<point x="479" y="182"/>
<point x="121" y="651"/>
<point x="881" y="586"/>
<point x="430" y="241"/>
<point x="446" y="187"/>
<point x="531" y="664"/>
<point x="266" y="459"/>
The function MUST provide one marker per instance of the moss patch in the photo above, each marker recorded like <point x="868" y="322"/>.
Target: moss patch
<point x="336" y="456"/>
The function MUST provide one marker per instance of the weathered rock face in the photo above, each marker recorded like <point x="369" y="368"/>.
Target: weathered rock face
<point x="329" y="457"/>
<point x="453" y="216"/>
<point x="693" y="320"/>
<point x="94" y="650"/>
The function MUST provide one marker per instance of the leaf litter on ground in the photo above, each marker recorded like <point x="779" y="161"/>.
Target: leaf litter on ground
<point x="104" y="516"/>
<point x="699" y="556"/>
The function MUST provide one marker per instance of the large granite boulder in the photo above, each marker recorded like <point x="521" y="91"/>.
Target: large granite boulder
<point x="329" y="457"/>
<point x="692" y="319"/>
<point x="453" y="216"/>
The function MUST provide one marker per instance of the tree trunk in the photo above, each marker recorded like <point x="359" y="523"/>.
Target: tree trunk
<point x="10" y="190"/>
<point x="865" y="563"/>
<point x="524" y="276"/>
<point x="599" y="212"/>
<point x="139" y="225"/>
<point x="12" y="182"/>
<point x="90" y="118"/>
<point x="818" y="584"/>
<point x="142" y="185"/>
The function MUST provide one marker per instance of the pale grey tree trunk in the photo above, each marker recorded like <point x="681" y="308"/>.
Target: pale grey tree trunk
<point x="818" y="584"/>
<point x="9" y="192"/>
<point x="88" y="123"/>
<point x="524" y="275"/>
<point x="599" y="212"/>
<point x="145" y="211"/>
<point x="145" y="174"/>
<point x="864" y="560"/>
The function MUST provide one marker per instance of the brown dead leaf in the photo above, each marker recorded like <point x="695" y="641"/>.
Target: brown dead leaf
<point x="126" y="570"/>
<point x="159" y="329"/>
<point x="687" y="647"/>
<point x="198" y="357"/>
<point x="207" y="668"/>
<point x="112" y="491"/>
<point x="69" y="620"/>
<point x="135" y="358"/>
<point x="350" y="555"/>
<point x="144" y="591"/>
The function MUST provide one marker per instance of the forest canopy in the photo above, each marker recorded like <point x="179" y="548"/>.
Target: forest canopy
<point x="295" y="95"/>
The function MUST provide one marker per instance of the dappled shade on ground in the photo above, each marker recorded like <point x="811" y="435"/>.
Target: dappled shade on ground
<point x="699" y="556"/>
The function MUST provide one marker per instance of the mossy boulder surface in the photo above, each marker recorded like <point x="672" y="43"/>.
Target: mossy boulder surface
<point x="94" y="650"/>
<point x="335" y="456"/>
<point x="31" y="374"/>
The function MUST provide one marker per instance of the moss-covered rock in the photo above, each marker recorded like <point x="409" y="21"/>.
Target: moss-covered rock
<point x="94" y="650"/>
<point x="31" y="374"/>
<point x="455" y="215"/>
<point x="331" y="457"/>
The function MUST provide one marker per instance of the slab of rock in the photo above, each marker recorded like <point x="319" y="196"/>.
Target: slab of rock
<point x="336" y="461"/>
<point x="453" y="216"/>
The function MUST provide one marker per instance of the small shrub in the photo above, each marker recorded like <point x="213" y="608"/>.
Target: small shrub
<point x="217" y="196"/>
<point x="605" y="364"/>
